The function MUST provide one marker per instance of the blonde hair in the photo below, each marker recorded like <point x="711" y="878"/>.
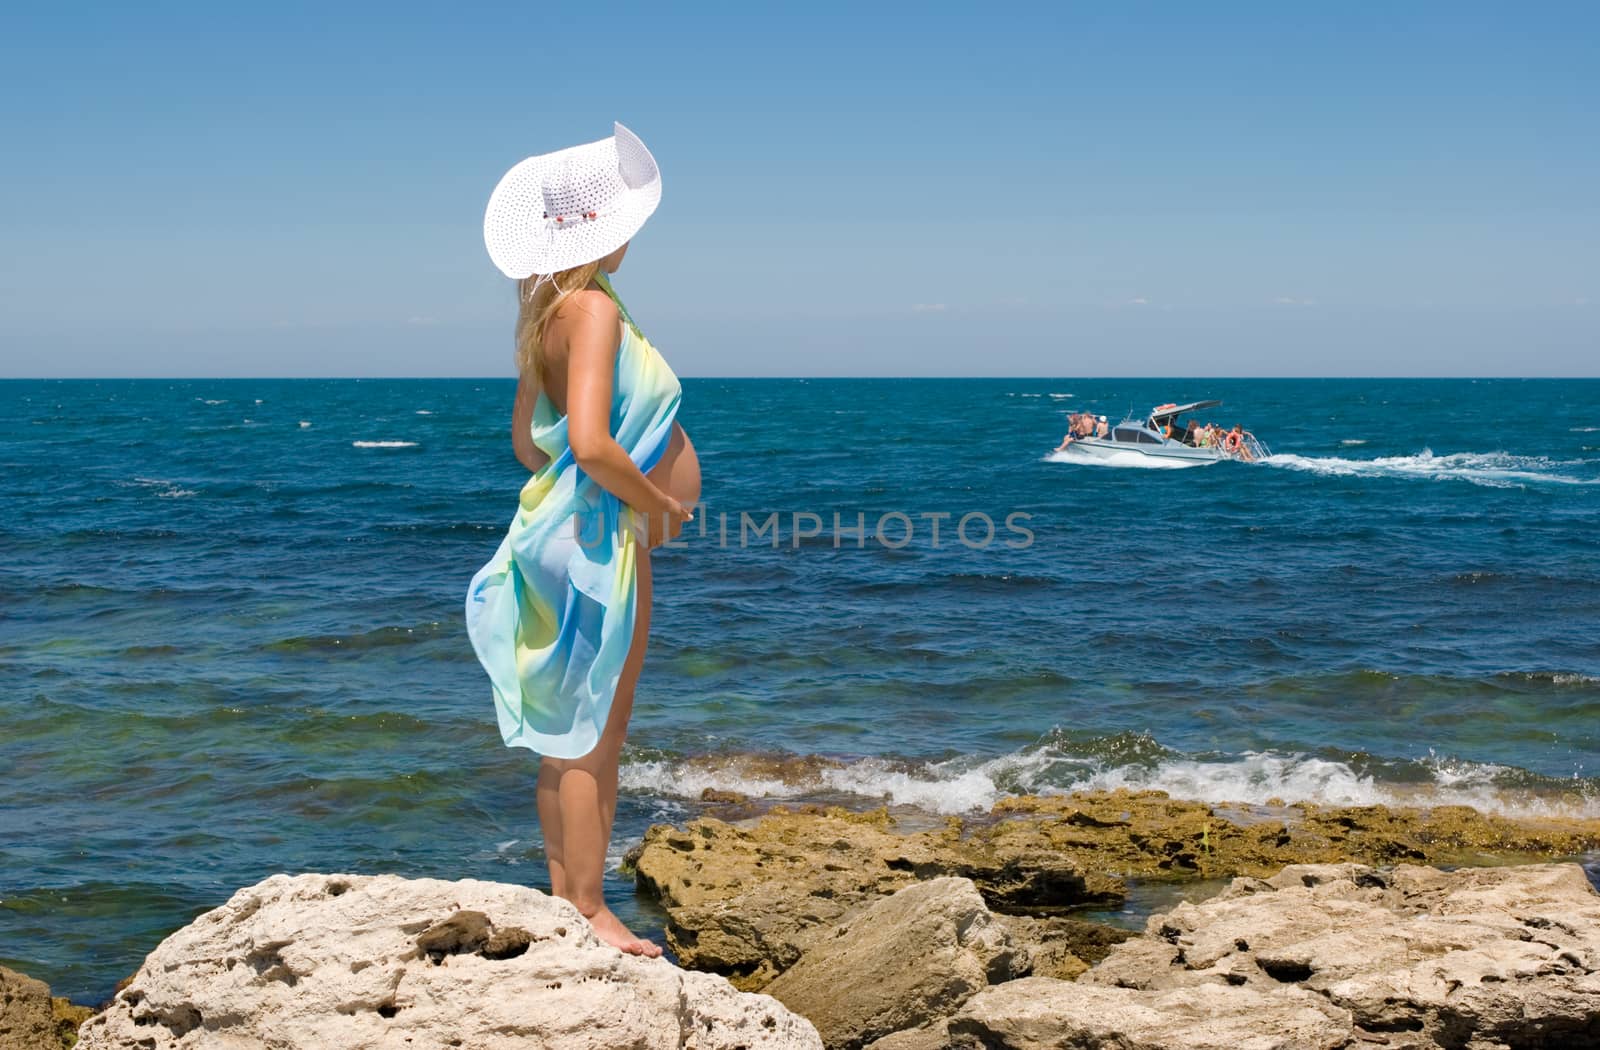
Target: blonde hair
<point x="539" y="297"/>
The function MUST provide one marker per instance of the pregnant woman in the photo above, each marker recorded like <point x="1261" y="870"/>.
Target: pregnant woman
<point x="560" y="616"/>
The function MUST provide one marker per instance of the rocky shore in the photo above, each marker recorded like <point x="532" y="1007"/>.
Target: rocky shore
<point x="747" y="897"/>
<point x="1306" y="927"/>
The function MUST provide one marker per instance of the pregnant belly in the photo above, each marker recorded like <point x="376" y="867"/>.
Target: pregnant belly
<point x="678" y="472"/>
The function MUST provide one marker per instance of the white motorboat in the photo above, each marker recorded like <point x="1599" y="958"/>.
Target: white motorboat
<point x="1144" y="442"/>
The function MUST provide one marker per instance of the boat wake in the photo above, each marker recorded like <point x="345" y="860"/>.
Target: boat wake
<point x="1490" y="469"/>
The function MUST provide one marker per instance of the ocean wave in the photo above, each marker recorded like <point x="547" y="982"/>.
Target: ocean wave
<point x="384" y="444"/>
<point x="1565" y="678"/>
<point x="1584" y="430"/>
<point x="380" y="637"/>
<point x="1491" y="469"/>
<point x="1353" y="441"/>
<point x="167" y="489"/>
<point x="1133" y="761"/>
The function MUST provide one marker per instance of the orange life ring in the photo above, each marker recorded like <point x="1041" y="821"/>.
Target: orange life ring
<point x="1232" y="442"/>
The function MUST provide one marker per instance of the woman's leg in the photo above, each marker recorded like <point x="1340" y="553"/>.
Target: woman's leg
<point x="577" y="798"/>
<point x="622" y="706"/>
<point x="547" y="795"/>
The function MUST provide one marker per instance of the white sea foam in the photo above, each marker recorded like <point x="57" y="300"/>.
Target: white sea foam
<point x="210" y="401"/>
<point x="965" y="785"/>
<point x="1061" y="397"/>
<point x="688" y="780"/>
<point x="1491" y="469"/>
<point x="423" y="412"/>
<point x="1584" y="430"/>
<point x="168" y="489"/>
<point x="305" y="422"/>
<point x="1353" y="441"/>
<point x="384" y="444"/>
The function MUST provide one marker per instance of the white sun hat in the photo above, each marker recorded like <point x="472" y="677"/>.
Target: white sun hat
<point x="563" y="209"/>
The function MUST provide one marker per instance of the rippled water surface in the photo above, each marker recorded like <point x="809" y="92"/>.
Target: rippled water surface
<point x="232" y="640"/>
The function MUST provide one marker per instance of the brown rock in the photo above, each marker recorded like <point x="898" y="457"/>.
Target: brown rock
<point x="1039" y="1013"/>
<point x="935" y="1036"/>
<point x="1062" y="947"/>
<point x="1147" y="834"/>
<point x="26" y="1019"/>
<point x="747" y="901"/>
<point x="69" y="1016"/>
<point x="899" y="963"/>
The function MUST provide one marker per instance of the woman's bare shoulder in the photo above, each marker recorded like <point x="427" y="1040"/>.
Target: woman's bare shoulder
<point x="585" y="307"/>
<point x="587" y="316"/>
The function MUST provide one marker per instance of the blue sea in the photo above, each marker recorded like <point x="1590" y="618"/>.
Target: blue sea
<point x="231" y="636"/>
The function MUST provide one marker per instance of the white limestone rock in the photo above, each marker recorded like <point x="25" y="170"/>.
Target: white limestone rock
<point x="377" y="962"/>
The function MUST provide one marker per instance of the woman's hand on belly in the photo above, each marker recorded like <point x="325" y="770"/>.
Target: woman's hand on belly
<point x="678" y="475"/>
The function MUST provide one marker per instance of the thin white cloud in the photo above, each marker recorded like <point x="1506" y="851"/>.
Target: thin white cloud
<point x="1139" y="301"/>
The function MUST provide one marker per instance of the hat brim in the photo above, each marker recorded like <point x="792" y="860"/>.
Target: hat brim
<point x="521" y="241"/>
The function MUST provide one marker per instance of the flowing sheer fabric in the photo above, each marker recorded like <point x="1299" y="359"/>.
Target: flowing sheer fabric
<point x="551" y="614"/>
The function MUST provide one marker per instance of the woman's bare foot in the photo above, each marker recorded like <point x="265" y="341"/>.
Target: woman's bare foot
<point x="609" y="928"/>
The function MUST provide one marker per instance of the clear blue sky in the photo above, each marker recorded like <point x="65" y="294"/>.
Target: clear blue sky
<point x="1073" y="189"/>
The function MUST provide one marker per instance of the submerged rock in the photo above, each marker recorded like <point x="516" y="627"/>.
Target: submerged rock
<point x="354" y="961"/>
<point x="1147" y="834"/>
<point x="901" y="962"/>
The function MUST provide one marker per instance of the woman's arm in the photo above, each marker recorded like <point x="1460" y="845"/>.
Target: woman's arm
<point x="527" y="453"/>
<point x="591" y="362"/>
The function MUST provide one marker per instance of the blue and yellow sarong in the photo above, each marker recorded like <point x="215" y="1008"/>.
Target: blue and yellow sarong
<point x="551" y="616"/>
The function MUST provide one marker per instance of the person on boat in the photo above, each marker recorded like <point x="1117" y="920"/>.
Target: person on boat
<point x="1236" y="445"/>
<point x="1079" y="425"/>
<point x="1072" y="432"/>
<point x="1101" y="428"/>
